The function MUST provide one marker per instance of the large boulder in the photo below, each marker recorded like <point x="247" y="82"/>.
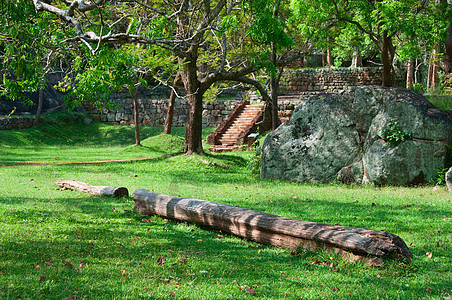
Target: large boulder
<point x="370" y="135"/>
<point x="449" y="179"/>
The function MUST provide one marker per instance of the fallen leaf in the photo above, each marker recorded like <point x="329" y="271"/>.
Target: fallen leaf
<point x="2" y="272"/>
<point x="82" y="265"/>
<point x="123" y="273"/>
<point x="161" y="261"/>
<point x="250" y="291"/>
<point x="68" y="264"/>
<point x="412" y="245"/>
<point x="70" y="298"/>
<point x="429" y="254"/>
<point x="32" y="180"/>
<point x="77" y="231"/>
<point x="435" y="188"/>
<point x="173" y="294"/>
<point x="41" y="278"/>
<point x="36" y="267"/>
<point x="335" y="289"/>
<point x="113" y="209"/>
<point x="429" y="291"/>
<point x="49" y="262"/>
<point x="182" y="260"/>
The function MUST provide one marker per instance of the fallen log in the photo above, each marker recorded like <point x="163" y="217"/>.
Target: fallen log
<point x="354" y="243"/>
<point x="107" y="191"/>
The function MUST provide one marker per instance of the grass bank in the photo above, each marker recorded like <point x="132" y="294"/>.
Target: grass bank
<point x="56" y="244"/>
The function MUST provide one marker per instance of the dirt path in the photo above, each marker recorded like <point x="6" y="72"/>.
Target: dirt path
<point x="24" y="163"/>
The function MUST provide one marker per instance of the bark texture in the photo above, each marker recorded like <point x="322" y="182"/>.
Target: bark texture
<point x="354" y="243"/>
<point x="171" y="102"/>
<point x="410" y="73"/>
<point x="39" y="111"/>
<point x="107" y="191"/>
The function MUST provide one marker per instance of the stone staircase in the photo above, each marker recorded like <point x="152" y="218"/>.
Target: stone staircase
<point x="234" y="131"/>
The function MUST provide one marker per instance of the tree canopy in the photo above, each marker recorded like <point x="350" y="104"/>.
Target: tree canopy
<point x="386" y="23"/>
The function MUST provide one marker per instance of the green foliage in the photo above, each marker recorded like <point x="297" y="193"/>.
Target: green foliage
<point x="26" y="49"/>
<point x="394" y="135"/>
<point x="441" y="176"/>
<point x="413" y="25"/>
<point x="255" y="165"/>
<point x="418" y="88"/>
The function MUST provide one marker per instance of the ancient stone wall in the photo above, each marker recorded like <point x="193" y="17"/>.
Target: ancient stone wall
<point x="329" y="80"/>
<point x="152" y="110"/>
<point x="12" y="123"/>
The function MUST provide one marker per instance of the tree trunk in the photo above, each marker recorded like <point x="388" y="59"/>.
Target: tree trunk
<point x="357" y="60"/>
<point x="433" y="69"/>
<point x="136" y="118"/>
<point x="39" y="110"/>
<point x="410" y="73"/>
<point x="107" y="191"/>
<point x="274" y="78"/>
<point x="193" y="128"/>
<point x="358" y="243"/>
<point x="274" y="92"/>
<point x="386" y="59"/>
<point x="448" y="51"/>
<point x="170" y="112"/>
<point x="329" y="56"/>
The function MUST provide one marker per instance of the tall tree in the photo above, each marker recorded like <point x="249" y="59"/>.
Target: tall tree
<point x="194" y="31"/>
<point x="27" y="51"/>
<point x="380" y="20"/>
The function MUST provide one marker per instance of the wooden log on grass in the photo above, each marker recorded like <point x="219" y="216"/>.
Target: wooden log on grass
<point x="107" y="191"/>
<point x="354" y="243"/>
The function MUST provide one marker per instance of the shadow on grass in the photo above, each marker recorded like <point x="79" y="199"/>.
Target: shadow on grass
<point x="114" y="252"/>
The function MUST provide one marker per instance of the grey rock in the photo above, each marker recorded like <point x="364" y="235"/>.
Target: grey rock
<point x="341" y="137"/>
<point x="449" y="179"/>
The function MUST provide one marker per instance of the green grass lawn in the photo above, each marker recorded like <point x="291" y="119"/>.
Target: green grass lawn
<point x="58" y="243"/>
<point x="443" y="102"/>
